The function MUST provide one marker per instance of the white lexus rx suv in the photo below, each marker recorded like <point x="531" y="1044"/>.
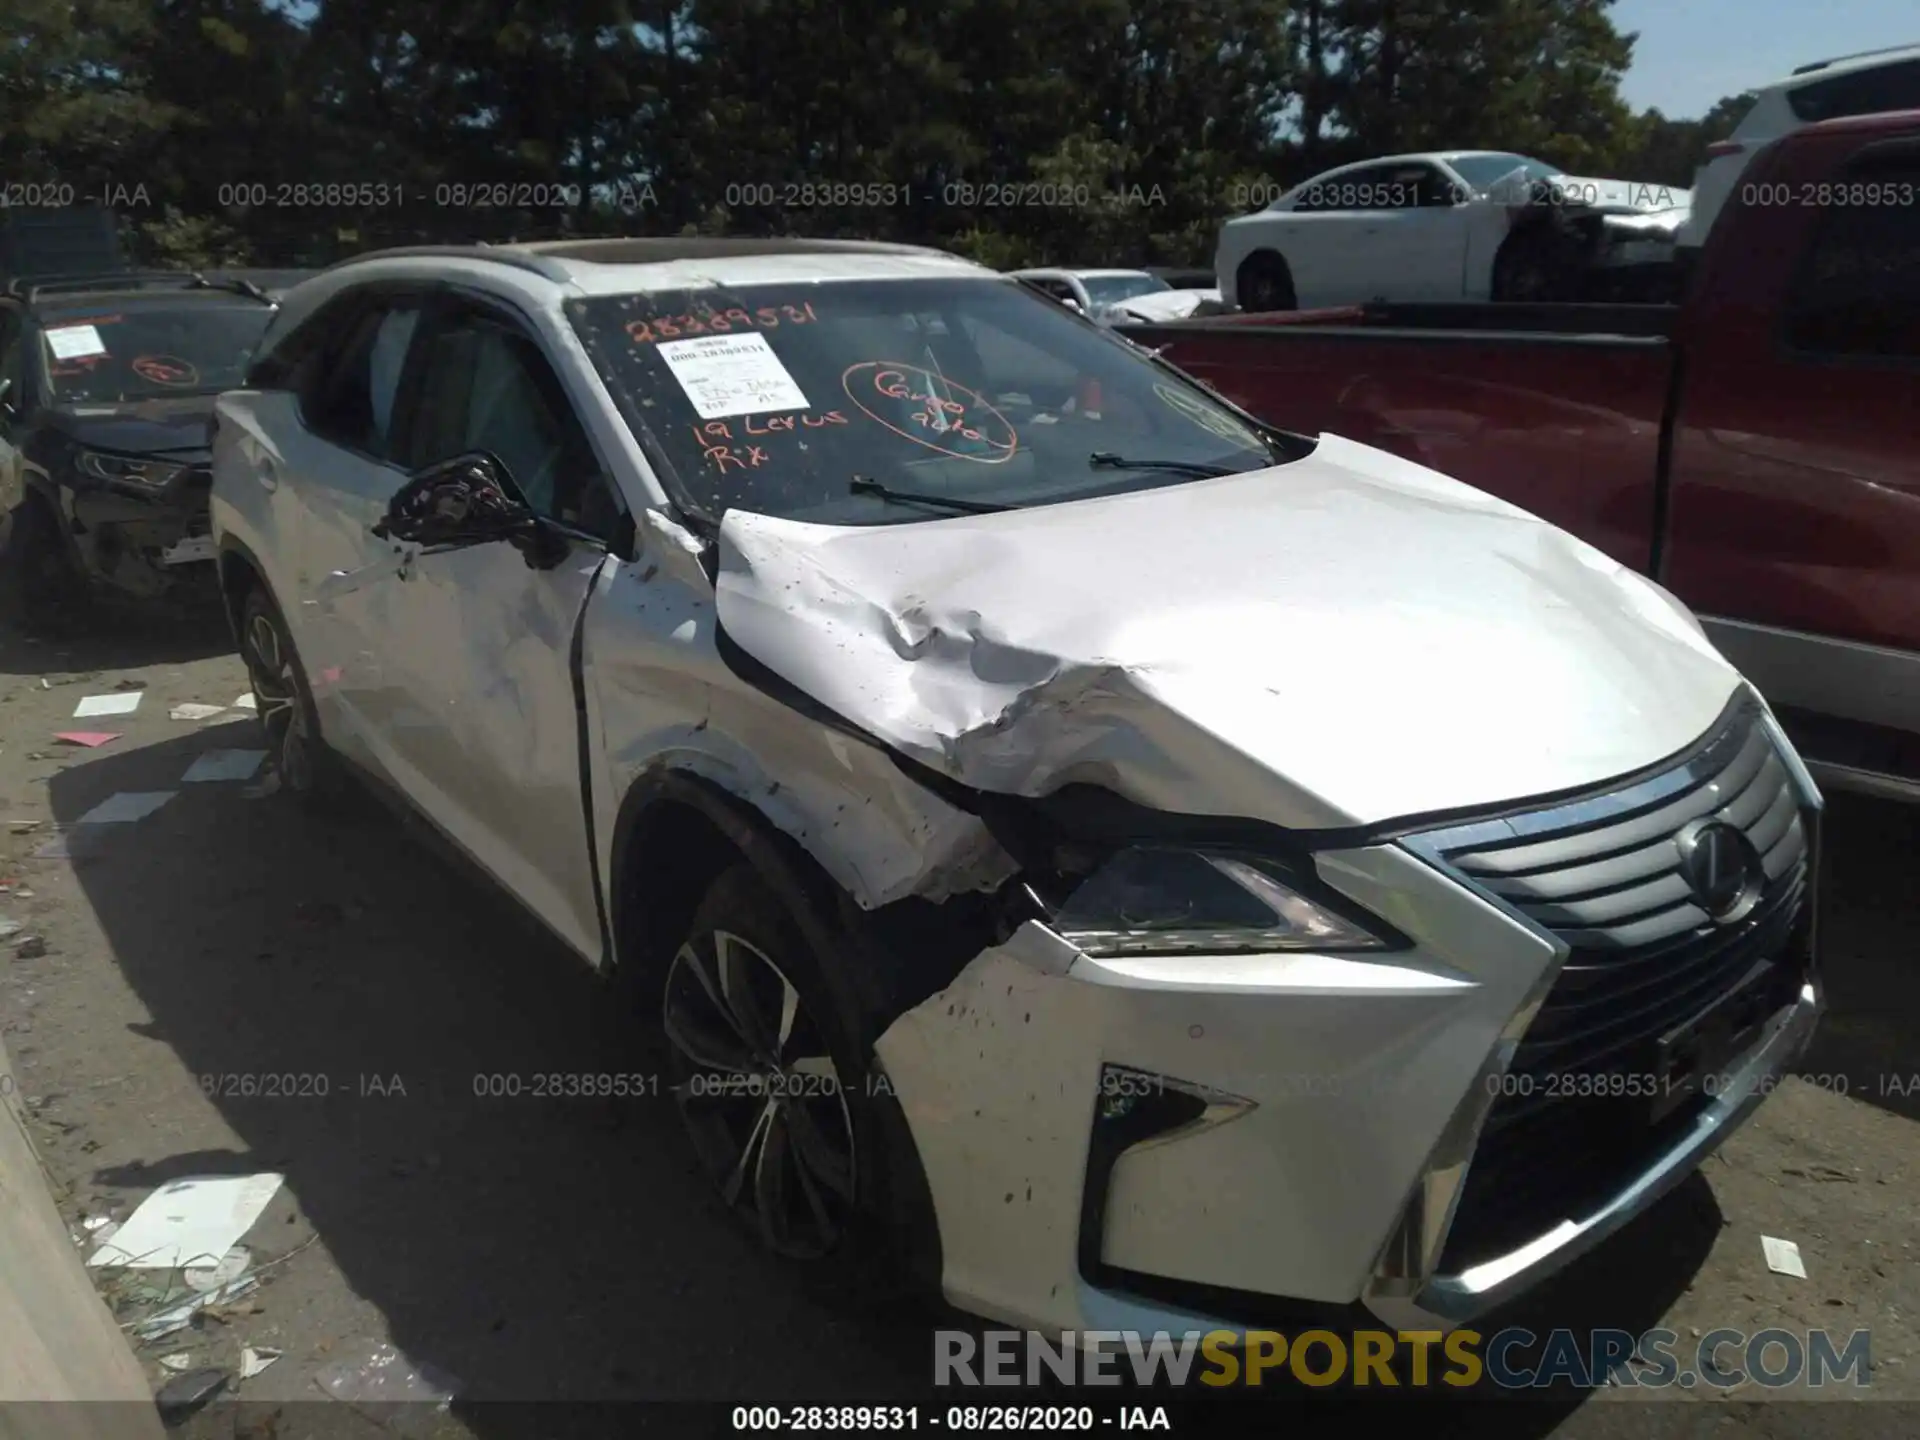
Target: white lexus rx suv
<point x="1137" y="861"/>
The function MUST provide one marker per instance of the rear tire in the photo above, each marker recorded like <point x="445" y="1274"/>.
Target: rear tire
<point x="302" y="764"/>
<point x="1264" y="284"/>
<point x="770" y="1069"/>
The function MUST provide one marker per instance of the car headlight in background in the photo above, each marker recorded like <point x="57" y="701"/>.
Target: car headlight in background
<point x="1152" y="900"/>
<point x="129" y="470"/>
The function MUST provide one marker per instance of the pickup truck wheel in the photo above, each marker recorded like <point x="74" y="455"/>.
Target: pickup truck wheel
<point x="40" y="584"/>
<point x="302" y="765"/>
<point x="769" y="1078"/>
<point x="1264" y="283"/>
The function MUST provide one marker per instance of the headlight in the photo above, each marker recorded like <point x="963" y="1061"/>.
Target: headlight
<point x="1161" y="901"/>
<point x="128" y="470"/>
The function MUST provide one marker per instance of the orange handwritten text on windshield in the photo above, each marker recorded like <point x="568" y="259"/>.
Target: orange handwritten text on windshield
<point x="725" y="451"/>
<point x="931" y="410"/>
<point x="718" y="322"/>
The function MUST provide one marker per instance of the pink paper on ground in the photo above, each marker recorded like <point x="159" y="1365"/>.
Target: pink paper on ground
<point x="88" y="738"/>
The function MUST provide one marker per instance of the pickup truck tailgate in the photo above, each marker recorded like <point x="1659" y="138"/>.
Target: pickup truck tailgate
<point x="1563" y="422"/>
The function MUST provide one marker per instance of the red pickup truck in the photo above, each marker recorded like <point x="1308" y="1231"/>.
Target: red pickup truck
<point x="1755" y="448"/>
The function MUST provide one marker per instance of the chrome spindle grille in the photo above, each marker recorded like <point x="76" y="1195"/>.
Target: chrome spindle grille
<point x="1579" y="1108"/>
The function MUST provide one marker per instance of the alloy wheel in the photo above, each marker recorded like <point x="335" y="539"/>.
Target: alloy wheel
<point x="276" y="693"/>
<point x="760" y="1093"/>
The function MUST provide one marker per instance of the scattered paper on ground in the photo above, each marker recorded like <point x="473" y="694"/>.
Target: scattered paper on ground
<point x="123" y="703"/>
<point x="194" y="710"/>
<point x="245" y="702"/>
<point x="224" y="765"/>
<point x="1783" y="1257"/>
<point x="254" y="1359"/>
<point x="92" y="739"/>
<point x="232" y="1266"/>
<point x="378" y="1380"/>
<point x="178" y="1317"/>
<point x="125" y="807"/>
<point x="179" y="1362"/>
<point x="189" y="1222"/>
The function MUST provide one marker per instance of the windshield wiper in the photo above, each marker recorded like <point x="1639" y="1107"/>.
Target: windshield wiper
<point x="864" y="485"/>
<point x="1107" y="460"/>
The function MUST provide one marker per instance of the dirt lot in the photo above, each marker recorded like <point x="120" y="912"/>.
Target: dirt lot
<point x="549" y="1250"/>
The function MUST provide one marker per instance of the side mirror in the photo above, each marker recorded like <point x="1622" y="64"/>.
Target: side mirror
<point x="465" y="501"/>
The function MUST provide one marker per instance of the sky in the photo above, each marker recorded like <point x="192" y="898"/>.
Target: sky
<point x="1693" y="52"/>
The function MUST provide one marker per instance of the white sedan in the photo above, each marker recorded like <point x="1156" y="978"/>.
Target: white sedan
<point x="1447" y="225"/>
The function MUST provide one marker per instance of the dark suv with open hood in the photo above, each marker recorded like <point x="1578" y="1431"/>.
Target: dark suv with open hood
<point x="107" y="385"/>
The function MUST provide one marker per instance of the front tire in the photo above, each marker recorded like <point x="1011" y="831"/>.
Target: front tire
<point x="40" y="583"/>
<point x="302" y="764"/>
<point x="771" y="1075"/>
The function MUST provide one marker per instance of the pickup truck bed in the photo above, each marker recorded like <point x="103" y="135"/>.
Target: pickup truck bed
<point x="1753" y="448"/>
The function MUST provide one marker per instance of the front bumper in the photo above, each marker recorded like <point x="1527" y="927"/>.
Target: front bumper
<point x="144" y="541"/>
<point x="1326" y="1112"/>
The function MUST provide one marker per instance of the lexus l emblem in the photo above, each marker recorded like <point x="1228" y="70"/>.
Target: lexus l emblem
<point x="1721" y="868"/>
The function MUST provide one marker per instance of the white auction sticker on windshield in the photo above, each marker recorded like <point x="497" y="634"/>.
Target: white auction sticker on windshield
<point x="732" y="375"/>
<point x="74" y="342"/>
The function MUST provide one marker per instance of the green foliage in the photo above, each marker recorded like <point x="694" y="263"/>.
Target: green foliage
<point x="1084" y="131"/>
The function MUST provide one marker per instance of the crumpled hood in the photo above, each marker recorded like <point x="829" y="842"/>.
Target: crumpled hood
<point x="1347" y="639"/>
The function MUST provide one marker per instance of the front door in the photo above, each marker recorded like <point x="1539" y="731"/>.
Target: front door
<point x="483" y="647"/>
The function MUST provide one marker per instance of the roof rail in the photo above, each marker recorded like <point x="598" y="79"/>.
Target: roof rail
<point x="27" y="286"/>
<point x="31" y="288"/>
<point x="659" y="249"/>
<point x="520" y="259"/>
<point x="1814" y="65"/>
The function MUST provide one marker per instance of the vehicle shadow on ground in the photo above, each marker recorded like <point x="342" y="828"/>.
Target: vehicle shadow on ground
<point x="1869" y="1041"/>
<point x="536" y="1248"/>
<point x="116" y="636"/>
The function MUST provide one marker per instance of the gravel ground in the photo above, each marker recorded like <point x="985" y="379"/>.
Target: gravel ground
<point x="565" y="1250"/>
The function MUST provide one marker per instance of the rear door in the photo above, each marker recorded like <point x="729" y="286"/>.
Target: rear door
<point x="1380" y="232"/>
<point x="1795" y="472"/>
<point x="476" y="647"/>
<point x="331" y="472"/>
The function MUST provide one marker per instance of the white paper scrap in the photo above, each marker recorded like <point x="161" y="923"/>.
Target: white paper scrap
<point x="123" y="702"/>
<point x="255" y="1358"/>
<point x="194" y="710"/>
<point x="125" y="807"/>
<point x="245" y="702"/>
<point x="74" y="342"/>
<point x="224" y="765"/>
<point x="189" y="1222"/>
<point x="178" y="1362"/>
<point x="732" y="375"/>
<point x="1783" y="1257"/>
<point x="232" y="1266"/>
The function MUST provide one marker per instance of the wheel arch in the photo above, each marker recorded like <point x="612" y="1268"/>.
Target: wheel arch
<point x="240" y="569"/>
<point x="675" y="834"/>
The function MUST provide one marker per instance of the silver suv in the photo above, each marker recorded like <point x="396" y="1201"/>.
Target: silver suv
<point x="1137" y="860"/>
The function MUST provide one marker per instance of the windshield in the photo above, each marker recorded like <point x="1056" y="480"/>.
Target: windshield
<point x="137" y="353"/>
<point x="1110" y="289"/>
<point x="1481" y="171"/>
<point x="774" y="398"/>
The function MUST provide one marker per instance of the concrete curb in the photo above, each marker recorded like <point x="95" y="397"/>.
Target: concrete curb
<point x="58" y="1342"/>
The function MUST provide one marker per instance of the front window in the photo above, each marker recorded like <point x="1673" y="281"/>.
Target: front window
<point x="1112" y="289"/>
<point x="141" y="351"/>
<point x="776" y="398"/>
<point x="1481" y="172"/>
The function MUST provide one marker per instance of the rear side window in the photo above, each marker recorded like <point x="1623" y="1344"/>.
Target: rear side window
<point x="355" y="387"/>
<point x="1863" y="92"/>
<point x="1859" y="291"/>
